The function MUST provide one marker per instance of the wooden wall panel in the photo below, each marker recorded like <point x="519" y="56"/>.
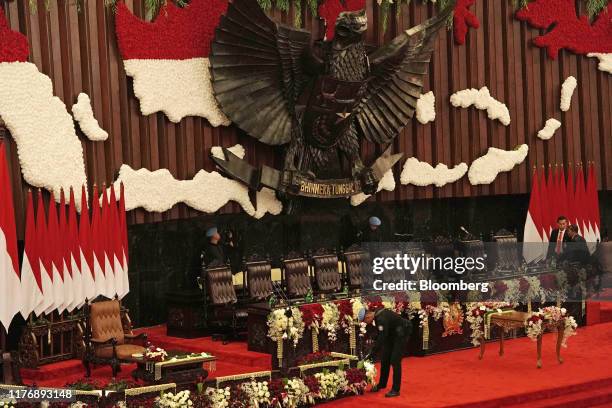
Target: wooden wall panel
<point x="78" y="50"/>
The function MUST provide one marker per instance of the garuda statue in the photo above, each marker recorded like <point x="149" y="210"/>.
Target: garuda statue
<point x="320" y="100"/>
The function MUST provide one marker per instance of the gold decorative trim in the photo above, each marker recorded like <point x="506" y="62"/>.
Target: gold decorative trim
<point x="253" y="375"/>
<point x="131" y="392"/>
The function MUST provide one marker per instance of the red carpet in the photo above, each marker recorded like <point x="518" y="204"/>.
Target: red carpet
<point x="457" y="379"/>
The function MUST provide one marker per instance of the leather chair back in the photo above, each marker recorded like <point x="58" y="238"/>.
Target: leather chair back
<point x="105" y="321"/>
<point x="297" y="276"/>
<point x="326" y="272"/>
<point x="220" y="286"/>
<point x="259" y="279"/>
<point x="356" y="264"/>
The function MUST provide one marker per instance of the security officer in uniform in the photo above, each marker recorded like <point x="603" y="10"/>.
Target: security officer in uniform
<point x="393" y="334"/>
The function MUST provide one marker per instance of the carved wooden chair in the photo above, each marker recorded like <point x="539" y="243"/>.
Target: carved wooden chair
<point x="259" y="279"/>
<point x="223" y="300"/>
<point x="327" y="275"/>
<point x="108" y="337"/>
<point x="297" y="277"/>
<point x="356" y="263"/>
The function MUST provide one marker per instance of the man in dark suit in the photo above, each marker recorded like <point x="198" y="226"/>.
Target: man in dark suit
<point x="558" y="237"/>
<point x="576" y="249"/>
<point x="393" y="334"/>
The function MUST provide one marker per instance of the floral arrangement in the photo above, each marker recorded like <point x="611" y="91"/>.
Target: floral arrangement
<point x="156" y="354"/>
<point x="534" y="325"/>
<point x="370" y="371"/>
<point x="257" y="393"/>
<point x="282" y="327"/>
<point x="218" y="397"/>
<point x="330" y="319"/>
<point x="331" y="383"/>
<point x="318" y="357"/>
<point x="346" y="316"/>
<point x="356" y="380"/>
<point x="476" y="313"/>
<point x="297" y="394"/>
<point x="179" y="400"/>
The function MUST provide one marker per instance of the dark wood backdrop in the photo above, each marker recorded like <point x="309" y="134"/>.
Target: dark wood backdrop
<point x="78" y="50"/>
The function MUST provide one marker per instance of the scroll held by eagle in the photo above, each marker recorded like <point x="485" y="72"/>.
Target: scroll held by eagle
<point x="317" y="98"/>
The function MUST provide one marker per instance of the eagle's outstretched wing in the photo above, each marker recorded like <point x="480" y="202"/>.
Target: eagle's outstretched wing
<point x="256" y="70"/>
<point x="398" y="70"/>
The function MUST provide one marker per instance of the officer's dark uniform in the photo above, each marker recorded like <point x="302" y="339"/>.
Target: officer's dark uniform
<point x="214" y="252"/>
<point x="393" y="335"/>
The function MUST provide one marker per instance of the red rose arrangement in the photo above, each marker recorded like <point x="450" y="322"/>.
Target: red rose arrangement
<point x="345" y="308"/>
<point x="374" y="303"/>
<point x="318" y="357"/>
<point x="312" y="314"/>
<point x="549" y="281"/>
<point x="313" y="385"/>
<point x="524" y="285"/>
<point x="500" y="288"/>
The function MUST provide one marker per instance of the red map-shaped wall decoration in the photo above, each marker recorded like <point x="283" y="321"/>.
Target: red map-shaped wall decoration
<point x="13" y="45"/>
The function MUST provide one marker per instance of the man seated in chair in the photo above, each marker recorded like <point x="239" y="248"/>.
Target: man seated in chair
<point x="393" y="334"/>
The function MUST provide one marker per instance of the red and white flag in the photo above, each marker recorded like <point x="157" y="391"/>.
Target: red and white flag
<point x="571" y="196"/>
<point x="124" y="241"/>
<point x="581" y="202"/>
<point x="31" y="284"/>
<point x="10" y="283"/>
<point x="115" y="243"/>
<point x="44" y="260"/>
<point x="532" y="234"/>
<point x="64" y="248"/>
<point x="544" y="205"/>
<point x="90" y="289"/>
<point x="97" y="245"/>
<point x="561" y="192"/>
<point x="168" y="58"/>
<point x="55" y="255"/>
<point x="551" y="192"/>
<point x="74" y="254"/>
<point x="593" y="235"/>
<point x="109" y="273"/>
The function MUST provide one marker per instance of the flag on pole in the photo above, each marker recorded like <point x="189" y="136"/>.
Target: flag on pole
<point x="97" y="244"/>
<point x="90" y="289"/>
<point x="64" y="248"/>
<point x="56" y="257"/>
<point x="44" y="260"/>
<point x="124" y="240"/>
<point x="532" y="234"/>
<point x="109" y="273"/>
<point x="570" y="197"/>
<point x="592" y="236"/>
<point x="74" y="254"/>
<point x="544" y="205"/>
<point x="10" y="284"/>
<point x="581" y="202"/>
<point x="31" y="285"/>
<point x="115" y="243"/>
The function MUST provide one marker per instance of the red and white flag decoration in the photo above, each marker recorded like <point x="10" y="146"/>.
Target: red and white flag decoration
<point x="64" y="249"/>
<point x="31" y="283"/>
<point x="124" y="241"/>
<point x="109" y="272"/>
<point x="55" y="257"/>
<point x="74" y="254"/>
<point x="168" y="58"/>
<point x="90" y="288"/>
<point x="533" y="235"/>
<point x="10" y="296"/>
<point x="44" y="261"/>
<point x="97" y="246"/>
<point x="555" y="197"/>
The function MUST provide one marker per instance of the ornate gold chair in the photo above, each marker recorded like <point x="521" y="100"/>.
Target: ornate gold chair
<point x="109" y="338"/>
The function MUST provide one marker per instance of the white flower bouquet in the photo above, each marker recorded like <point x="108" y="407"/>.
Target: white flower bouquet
<point x="218" y="397"/>
<point x="258" y="393"/>
<point x="170" y="400"/>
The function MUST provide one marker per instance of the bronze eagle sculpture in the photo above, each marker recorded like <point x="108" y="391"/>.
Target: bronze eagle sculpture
<point x="320" y="99"/>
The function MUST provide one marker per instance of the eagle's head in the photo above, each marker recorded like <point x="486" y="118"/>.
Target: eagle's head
<point x="350" y="25"/>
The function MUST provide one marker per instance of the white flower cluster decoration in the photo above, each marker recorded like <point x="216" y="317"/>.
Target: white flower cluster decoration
<point x="567" y="90"/>
<point x="421" y="173"/>
<point x="297" y="395"/>
<point x="485" y="169"/>
<point x="370" y="371"/>
<point x="258" y="393"/>
<point x="218" y="397"/>
<point x="549" y="129"/>
<point x="482" y="99"/>
<point x="554" y="314"/>
<point x="159" y="191"/>
<point x="331" y="383"/>
<point x="426" y="108"/>
<point x="330" y="320"/>
<point x="181" y="399"/>
<point x="387" y="183"/>
<point x="50" y="153"/>
<point x="605" y="61"/>
<point x="179" y="88"/>
<point x="83" y="114"/>
<point x="281" y="327"/>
